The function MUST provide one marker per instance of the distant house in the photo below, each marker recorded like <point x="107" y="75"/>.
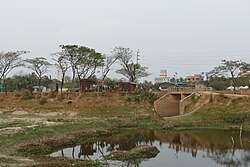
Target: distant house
<point x="194" y="78"/>
<point x="126" y="86"/>
<point x="163" y="77"/>
<point x="87" y="85"/>
<point x="2" y="88"/>
<point x="42" y="88"/>
<point x="244" y="74"/>
<point x="166" y="85"/>
<point x="55" y="85"/>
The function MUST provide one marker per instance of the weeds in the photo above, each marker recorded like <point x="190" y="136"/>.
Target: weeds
<point x="43" y="100"/>
<point x="26" y="95"/>
<point x="235" y="118"/>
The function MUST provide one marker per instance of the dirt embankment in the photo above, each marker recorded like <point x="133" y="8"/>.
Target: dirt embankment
<point x="34" y="127"/>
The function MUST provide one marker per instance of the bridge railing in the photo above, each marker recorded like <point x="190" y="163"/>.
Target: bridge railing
<point x="190" y="89"/>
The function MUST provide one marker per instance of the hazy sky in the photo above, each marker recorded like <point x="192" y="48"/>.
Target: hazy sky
<point x="183" y="36"/>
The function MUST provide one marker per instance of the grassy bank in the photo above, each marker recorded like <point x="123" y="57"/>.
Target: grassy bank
<point x="32" y="126"/>
<point x="35" y="127"/>
<point x="221" y="112"/>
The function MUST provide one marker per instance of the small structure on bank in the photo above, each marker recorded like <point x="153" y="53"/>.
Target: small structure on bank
<point x="87" y="85"/>
<point x="2" y="88"/>
<point x="55" y="85"/>
<point x="126" y="86"/>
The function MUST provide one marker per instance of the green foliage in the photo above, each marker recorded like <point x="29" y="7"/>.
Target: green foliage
<point x="132" y="71"/>
<point x="229" y="67"/>
<point x="39" y="65"/>
<point x="20" y="82"/>
<point x="110" y="82"/>
<point x="219" y="83"/>
<point x="83" y="60"/>
<point x="144" y="96"/>
<point x="26" y="95"/>
<point x="236" y="118"/>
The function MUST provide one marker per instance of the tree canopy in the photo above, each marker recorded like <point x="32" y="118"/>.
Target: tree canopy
<point x="132" y="71"/>
<point x="39" y="65"/>
<point x="229" y="67"/>
<point x="9" y="61"/>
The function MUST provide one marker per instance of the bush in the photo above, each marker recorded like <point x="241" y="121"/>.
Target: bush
<point x="52" y="94"/>
<point x="128" y="99"/>
<point x="26" y="94"/>
<point x="144" y="95"/>
<point x="43" y="100"/>
<point x="137" y="98"/>
<point x="61" y="96"/>
<point x="236" y="118"/>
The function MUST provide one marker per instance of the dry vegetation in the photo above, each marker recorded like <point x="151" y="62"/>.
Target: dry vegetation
<point x="51" y="122"/>
<point x="36" y="126"/>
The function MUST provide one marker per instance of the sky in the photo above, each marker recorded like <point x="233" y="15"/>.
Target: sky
<point x="183" y="36"/>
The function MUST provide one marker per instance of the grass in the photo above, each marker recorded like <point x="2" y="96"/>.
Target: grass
<point x="14" y="124"/>
<point x="222" y="113"/>
<point x="7" y="161"/>
<point x="98" y="115"/>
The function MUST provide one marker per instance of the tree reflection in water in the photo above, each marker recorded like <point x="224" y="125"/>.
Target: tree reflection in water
<point x="215" y="145"/>
<point x="226" y="158"/>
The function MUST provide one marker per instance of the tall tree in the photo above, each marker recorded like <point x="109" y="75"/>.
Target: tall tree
<point x="130" y="70"/>
<point x="9" y="61"/>
<point x="89" y="61"/>
<point x="108" y="63"/>
<point x="83" y="61"/>
<point x="40" y="66"/>
<point x="62" y="64"/>
<point x="71" y="53"/>
<point x="231" y="67"/>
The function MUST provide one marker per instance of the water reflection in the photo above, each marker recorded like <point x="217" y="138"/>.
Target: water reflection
<point x="189" y="148"/>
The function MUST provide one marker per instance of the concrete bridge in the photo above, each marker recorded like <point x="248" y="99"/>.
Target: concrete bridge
<point x="174" y="102"/>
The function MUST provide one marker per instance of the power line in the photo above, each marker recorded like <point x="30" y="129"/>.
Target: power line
<point x="199" y="52"/>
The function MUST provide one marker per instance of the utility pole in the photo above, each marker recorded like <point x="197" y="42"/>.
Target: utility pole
<point x="137" y="56"/>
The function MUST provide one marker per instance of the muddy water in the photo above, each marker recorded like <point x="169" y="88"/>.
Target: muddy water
<point x="201" y="148"/>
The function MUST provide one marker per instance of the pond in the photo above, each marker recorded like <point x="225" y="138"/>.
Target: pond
<point x="206" y="148"/>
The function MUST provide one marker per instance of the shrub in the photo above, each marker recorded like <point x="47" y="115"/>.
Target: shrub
<point x="61" y="96"/>
<point x="52" y="94"/>
<point x="43" y="100"/>
<point x="236" y="118"/>
<point x="26" y="94"/>
<point x="144" y="95"/>
<point x="128" y="99"/>
<point x="137" y="98"/>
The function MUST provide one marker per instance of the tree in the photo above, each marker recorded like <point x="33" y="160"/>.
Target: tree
<point x="229" y="67"/>
<point x="40" y="66"/>
<point x="9" y="61"/>
<point x="71" y="53"/>
<point x="109" y="62"/>
<point x="88" y="62"/>
<point x="62" y="65"/>
<point x="22" y="81"/>
<point x="130" y="70"/>
<point x="83" y="61"/>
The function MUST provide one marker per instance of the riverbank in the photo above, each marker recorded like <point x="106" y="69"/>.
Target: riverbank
<point x="33" y="128"/>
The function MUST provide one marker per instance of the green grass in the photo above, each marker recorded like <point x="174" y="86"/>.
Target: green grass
<point x="14" y="124"/>
<point x="148" y="124"/>
<point x="7" y="161"/>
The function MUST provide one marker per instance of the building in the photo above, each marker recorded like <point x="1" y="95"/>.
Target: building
<point x="194" y="78"/>
<point x="2" y="89"/>
<point x="55" y="85"/>
<point x="126" y="86"/>
<point x="87" y="85"/>
<point x="163" y="77"/>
